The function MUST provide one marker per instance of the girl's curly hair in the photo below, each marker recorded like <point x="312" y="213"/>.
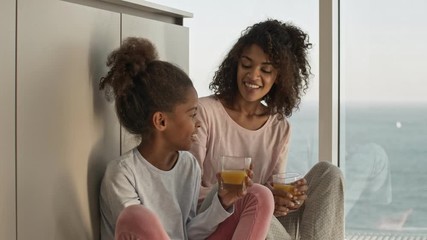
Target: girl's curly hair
<point x="141" y="85"/>
<point x="287" y="47"/>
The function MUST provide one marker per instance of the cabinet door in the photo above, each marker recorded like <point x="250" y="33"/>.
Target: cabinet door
<point x="7" y="120"/>
<point x="171" y="41"/>
<point x="66" y="131"/>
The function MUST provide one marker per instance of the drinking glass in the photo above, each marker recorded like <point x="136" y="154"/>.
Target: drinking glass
<point x="233" y="172"/>
<point x="285" y="180"/>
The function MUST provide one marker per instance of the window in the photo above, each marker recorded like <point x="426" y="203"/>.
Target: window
<point x="383" y="116"/>
<point x="211" y="37"/>
<point x="383" y="100"/>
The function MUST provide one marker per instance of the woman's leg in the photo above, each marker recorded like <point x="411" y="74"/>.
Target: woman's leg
<point x="137" y="222"/>
<point x="322" y="215"/>
<point x="277" y="231"/>
<point x="291" y="223"/>
<point x="251" y="217"/>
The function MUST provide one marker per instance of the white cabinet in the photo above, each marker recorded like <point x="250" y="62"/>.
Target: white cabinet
<point x="65" y="130"/>
<point x="7" y="120"/>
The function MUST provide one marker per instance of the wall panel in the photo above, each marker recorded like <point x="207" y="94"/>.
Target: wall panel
<point x="66" y="131"/>
<point x="7" y="120"/>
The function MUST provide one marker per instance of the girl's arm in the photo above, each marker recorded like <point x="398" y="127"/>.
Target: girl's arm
<point x="117" y="192"/>
<point x="201" y="225"/>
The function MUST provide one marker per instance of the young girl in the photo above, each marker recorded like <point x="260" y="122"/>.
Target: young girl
<point x="151" y="192"/>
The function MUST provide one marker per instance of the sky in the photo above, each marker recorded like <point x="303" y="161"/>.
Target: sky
<point x="383" y="51"/>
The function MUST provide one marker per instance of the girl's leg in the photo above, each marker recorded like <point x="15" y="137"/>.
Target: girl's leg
<point x="251" y="217"/>
<point x="137" y="222"/>
<point x="322" y="215"/>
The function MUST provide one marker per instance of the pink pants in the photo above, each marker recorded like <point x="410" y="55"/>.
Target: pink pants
<point x="250" y="220"/>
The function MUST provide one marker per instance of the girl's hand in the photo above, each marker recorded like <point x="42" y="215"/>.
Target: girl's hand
<point x="286" y="202"/>
<point x="228" y="196"/>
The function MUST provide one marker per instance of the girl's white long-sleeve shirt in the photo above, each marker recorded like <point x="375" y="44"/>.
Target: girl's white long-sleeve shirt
<point x="172" y="195"/>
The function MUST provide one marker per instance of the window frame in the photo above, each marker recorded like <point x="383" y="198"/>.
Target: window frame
<point x="329" y="103"/>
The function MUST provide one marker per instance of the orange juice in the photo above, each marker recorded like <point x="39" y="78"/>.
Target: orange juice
<point x="287" y="187"/>
<point x="233" y="181"/>
<point x="236" y="177"/>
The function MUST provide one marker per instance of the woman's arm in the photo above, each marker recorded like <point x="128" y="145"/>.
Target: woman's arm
<point x="199" y="146"/>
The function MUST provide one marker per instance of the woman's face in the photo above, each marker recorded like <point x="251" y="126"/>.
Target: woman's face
<point x="182" y="122"/>
<point x="255" y="74"/>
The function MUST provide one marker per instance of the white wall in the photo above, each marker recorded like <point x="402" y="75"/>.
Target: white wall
<point x="66" y="131"/>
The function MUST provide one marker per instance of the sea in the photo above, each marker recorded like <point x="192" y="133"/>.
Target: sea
<point x="383" y="157"/>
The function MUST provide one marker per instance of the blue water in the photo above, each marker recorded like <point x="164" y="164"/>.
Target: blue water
<point x="383" y="140"/>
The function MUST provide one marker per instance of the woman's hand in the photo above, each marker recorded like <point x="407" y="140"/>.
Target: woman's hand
<point x="300" y="193"/>
<point x="286" y="202"/>
<point x="228" y="196"/>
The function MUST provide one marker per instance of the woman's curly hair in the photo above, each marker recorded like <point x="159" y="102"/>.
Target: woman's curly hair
<point x="286" y="46"/>
<point x="141" y="85"/>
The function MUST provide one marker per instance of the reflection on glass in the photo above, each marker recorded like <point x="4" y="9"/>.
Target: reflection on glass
<point x="383" y="117"/>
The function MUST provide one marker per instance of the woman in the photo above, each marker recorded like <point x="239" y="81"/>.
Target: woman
<point x="257" y="86"/>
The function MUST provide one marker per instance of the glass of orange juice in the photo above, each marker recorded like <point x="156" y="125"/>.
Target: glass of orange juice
<point x="233" y="172"/>
<point x="285" y="181"/>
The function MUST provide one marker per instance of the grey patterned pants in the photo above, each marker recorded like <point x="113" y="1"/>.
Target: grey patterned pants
<point x="322" y="215"/>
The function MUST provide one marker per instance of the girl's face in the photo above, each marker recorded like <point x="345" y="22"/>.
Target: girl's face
<point x="182" y="122"/>
<point x="255" y="74"/>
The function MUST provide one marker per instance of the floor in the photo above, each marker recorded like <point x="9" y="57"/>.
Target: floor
<point x="385" y="236"/>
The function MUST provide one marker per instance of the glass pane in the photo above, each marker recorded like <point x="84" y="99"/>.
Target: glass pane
<point x="303" y="152"/>
<point x="383" y="117"/>
<point x="211" y="37"/>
